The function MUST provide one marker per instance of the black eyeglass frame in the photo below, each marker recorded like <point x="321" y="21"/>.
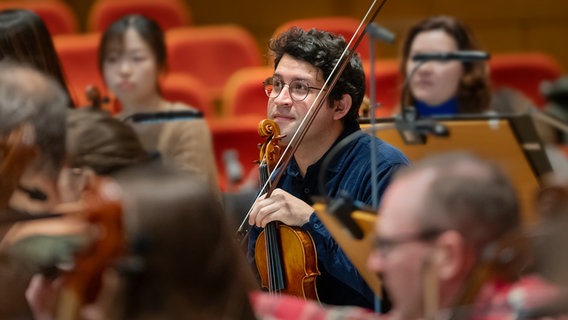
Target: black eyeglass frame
<point x="269" y="88"/>
<point x="384" y="245"/>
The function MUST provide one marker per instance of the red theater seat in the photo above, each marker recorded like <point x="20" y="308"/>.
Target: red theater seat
<point x="57" y="15"/>
<point x="524" y="71"/>
<point x="344" y="26"/>
<point x="167" y="13"/>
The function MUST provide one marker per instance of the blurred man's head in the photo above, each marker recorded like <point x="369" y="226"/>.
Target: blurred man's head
<point x="440" y="213"/>
<point x="28" y="97"/>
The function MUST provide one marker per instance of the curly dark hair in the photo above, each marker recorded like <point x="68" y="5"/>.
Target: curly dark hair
<point x="323" y="50"/>
<point x="474" y="91"/>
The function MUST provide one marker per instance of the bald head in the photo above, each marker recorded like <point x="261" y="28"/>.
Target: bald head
<point x="466" y="193"/>
<point x="440" y="213"/>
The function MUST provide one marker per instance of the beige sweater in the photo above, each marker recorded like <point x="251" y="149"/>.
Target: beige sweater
<point x="186" y="144"/>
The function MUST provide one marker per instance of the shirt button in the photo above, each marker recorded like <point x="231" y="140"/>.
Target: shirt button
<point x="307" y="190"/>
<point x="316" y="225"/>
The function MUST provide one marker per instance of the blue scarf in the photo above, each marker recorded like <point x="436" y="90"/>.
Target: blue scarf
<point x="448" y="108"/>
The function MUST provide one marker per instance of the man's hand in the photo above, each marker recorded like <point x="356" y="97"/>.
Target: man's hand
<point x="280" y="206"/>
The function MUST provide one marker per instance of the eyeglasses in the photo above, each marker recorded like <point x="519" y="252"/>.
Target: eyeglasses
<point x="298" y="89"/>
<point x="386" y="245"/>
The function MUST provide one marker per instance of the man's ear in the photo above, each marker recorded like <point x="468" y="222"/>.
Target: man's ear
<point x="453" y="256"/>
<point x="341" y="107"/>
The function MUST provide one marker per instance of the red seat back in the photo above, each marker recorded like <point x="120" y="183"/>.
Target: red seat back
<point x="344" y="26"/>
<point x="212" y="53"/>
<point x="189" y="90"/>
<point x="524" y="71"/>
<point x="243" y="93"/>
<point x="167" y="13"/>
<point x="78" y="54"/>
<point x="387" y="85"/>
<point x="57" y="15"/>
<point x="240" y="134"/>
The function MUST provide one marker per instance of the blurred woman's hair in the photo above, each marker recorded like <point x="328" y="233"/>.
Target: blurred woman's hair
<point x="24" y="38"/>
<point x="187" y="261"/>
<point x="100" y="142"/>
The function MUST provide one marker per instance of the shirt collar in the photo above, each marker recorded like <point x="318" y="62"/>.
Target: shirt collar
<point x="334" y="166"/>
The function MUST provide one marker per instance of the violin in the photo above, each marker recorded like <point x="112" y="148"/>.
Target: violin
<point x="95" y="98"/>
<point x="285" y="256"/>
<point x="102" y="208"/>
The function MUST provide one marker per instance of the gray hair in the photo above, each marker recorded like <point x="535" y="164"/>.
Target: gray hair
<point x="29" y="96"/>
<point x="468" y="194"/>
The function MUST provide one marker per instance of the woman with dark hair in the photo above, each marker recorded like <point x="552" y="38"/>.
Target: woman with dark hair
<point x="24" y="38"/>
<point x="444" y="87"/>
<point x="132" y="57"/>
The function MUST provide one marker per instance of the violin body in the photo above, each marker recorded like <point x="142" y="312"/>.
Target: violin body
<point x="285" y="256"/>
<point x="102" y="209"/>
<point x="299" y="262"/>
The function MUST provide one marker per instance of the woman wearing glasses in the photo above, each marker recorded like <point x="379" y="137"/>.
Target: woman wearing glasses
<point x="303" y="61"/>
<point x="132" y="57"/>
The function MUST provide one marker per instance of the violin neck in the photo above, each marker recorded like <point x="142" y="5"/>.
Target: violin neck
<point x="264" y="176"/>
<point x="275" y="272"/>
<point x="68" y="305"/>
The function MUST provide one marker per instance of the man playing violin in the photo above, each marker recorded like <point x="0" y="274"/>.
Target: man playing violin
<point x="303" y="61"/>
<point x="437" y="220"/>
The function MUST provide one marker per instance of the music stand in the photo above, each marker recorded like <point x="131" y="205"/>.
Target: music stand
<point x="509" y="140"/>
<point x="356" y="250"/>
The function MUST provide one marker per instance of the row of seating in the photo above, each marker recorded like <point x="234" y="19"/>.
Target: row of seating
<point x="222" y="65"/>
<point x="212" y="66"/>
<point x="245" y="102"/>
<point x="199" y="56"/>
<point x="61" y="19"/>
<point x="208" y="54"/>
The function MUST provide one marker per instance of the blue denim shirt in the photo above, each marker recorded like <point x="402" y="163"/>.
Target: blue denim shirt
<point x="340" y="283"/>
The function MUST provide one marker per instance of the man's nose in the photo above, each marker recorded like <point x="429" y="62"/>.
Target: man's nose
<point x="285" y="96"/>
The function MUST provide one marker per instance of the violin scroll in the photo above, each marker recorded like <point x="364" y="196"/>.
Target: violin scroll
<point x="96" y="100"/>
<point x="270" y="151"/>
